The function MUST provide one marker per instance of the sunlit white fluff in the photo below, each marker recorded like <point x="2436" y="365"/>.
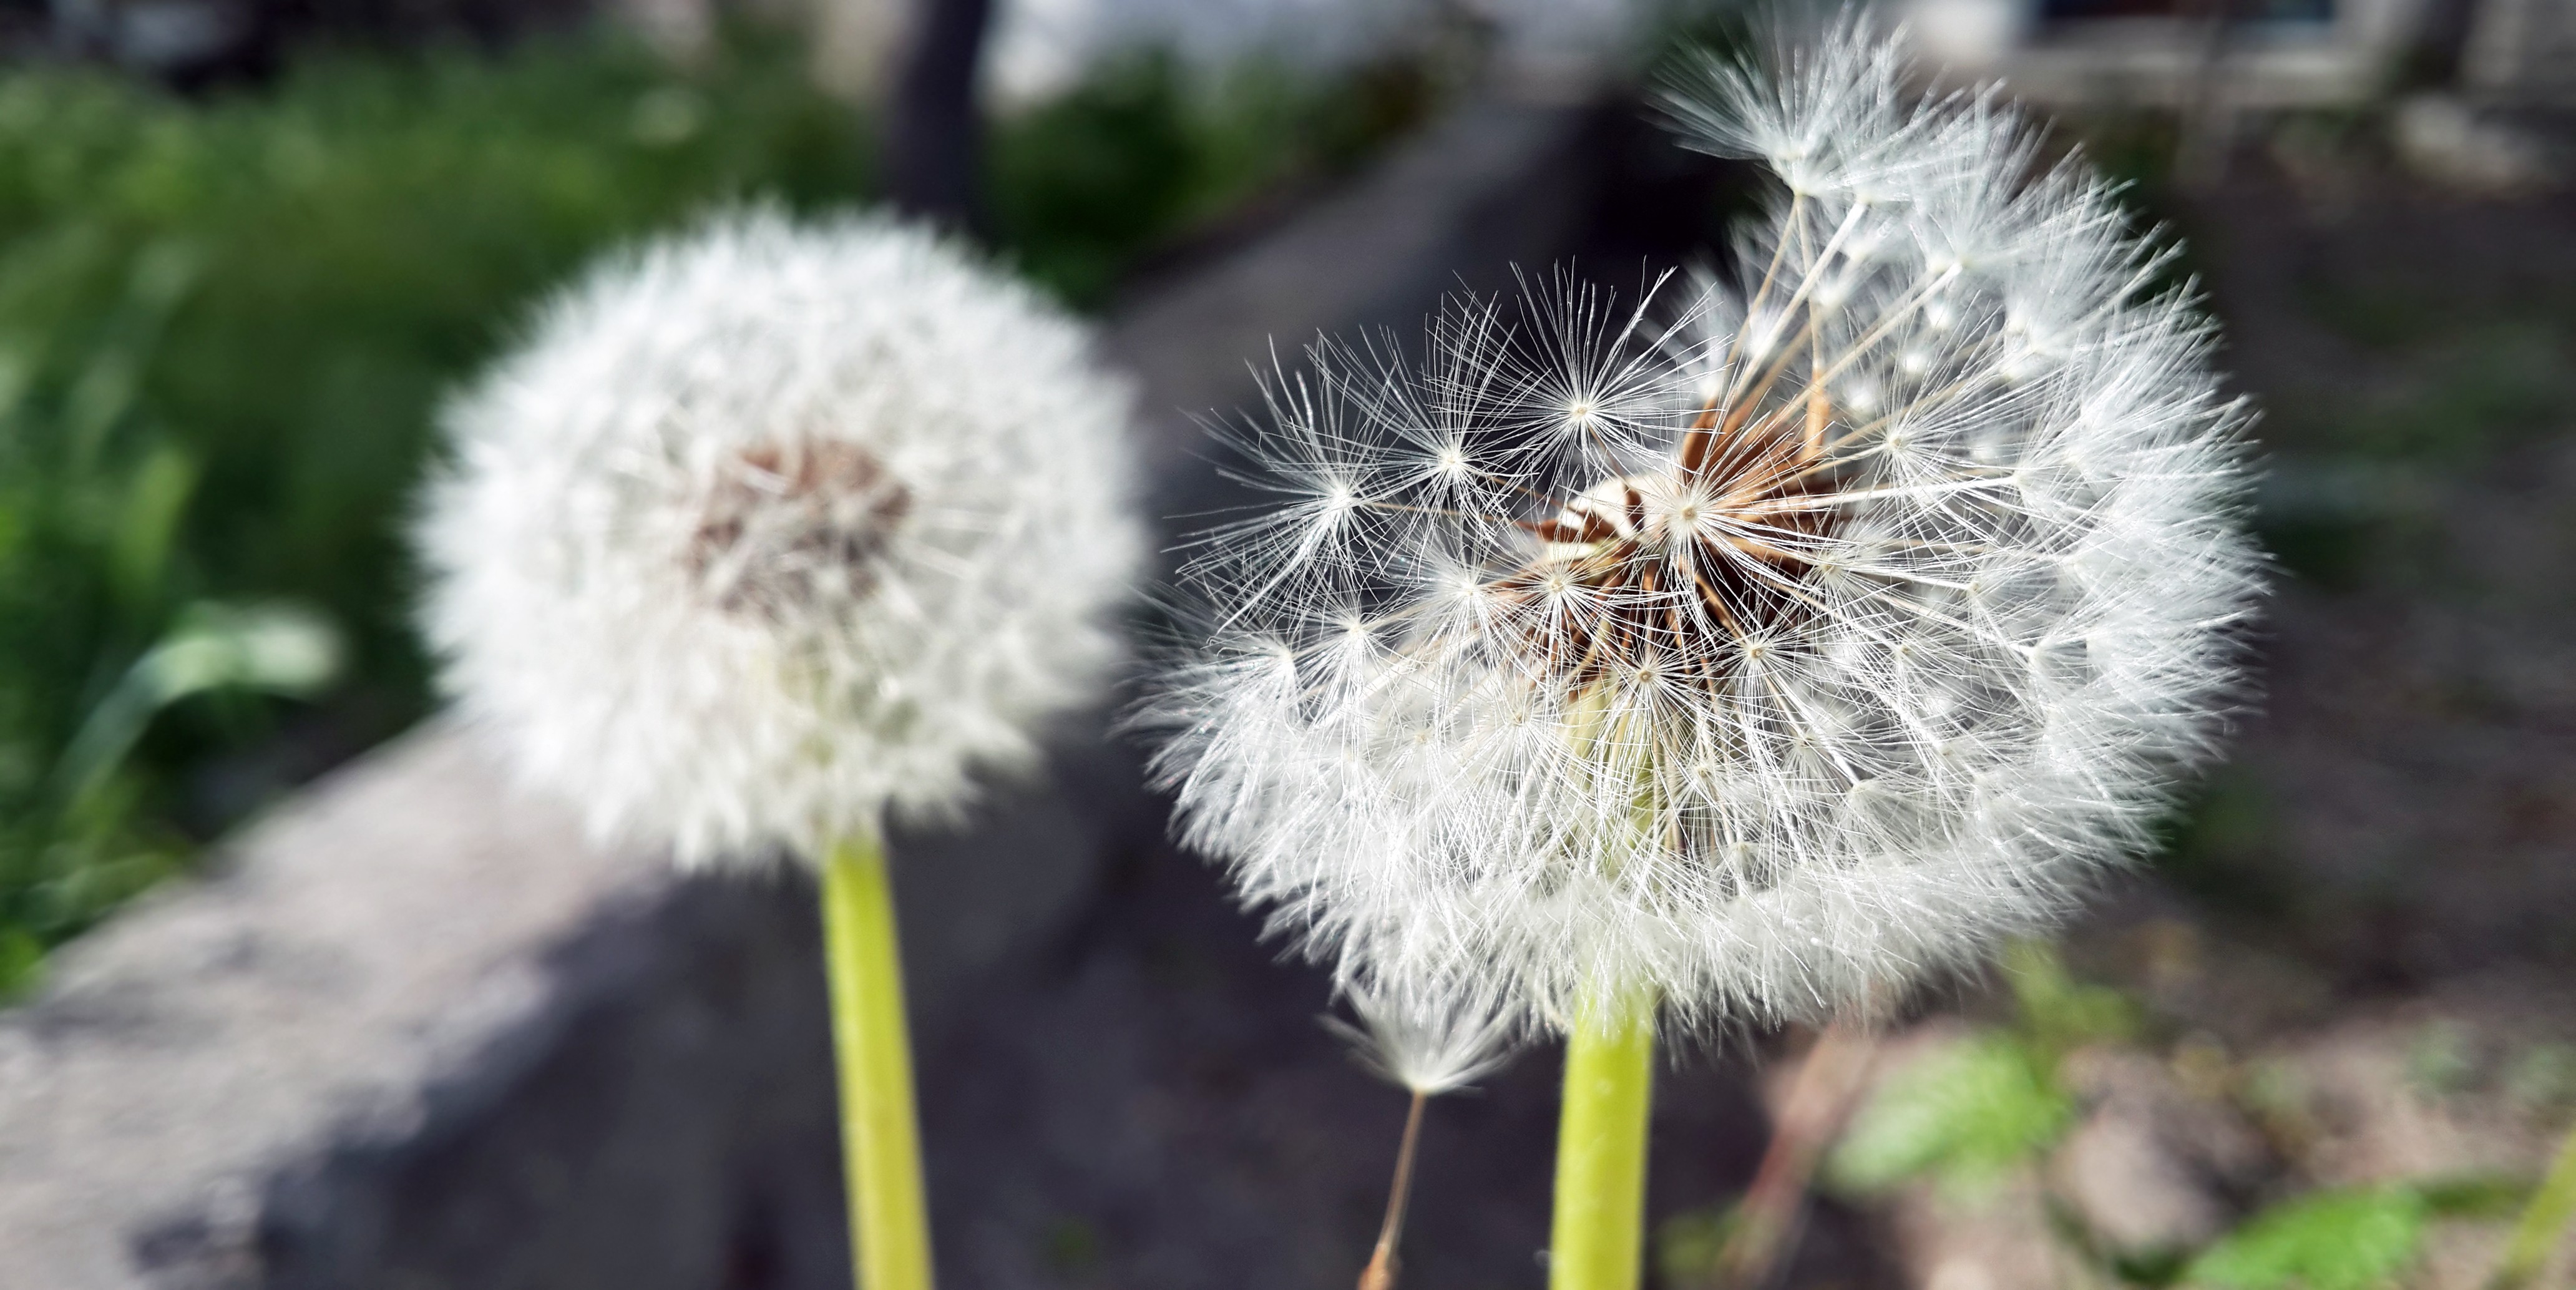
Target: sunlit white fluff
<point x="1747" y="646"/>
<point x="1428" y="1042"/>
<point x="773" y="527"/>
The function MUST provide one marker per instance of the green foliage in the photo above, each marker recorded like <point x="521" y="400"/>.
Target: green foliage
<point x="2356" y="1239"/>
<point x="2474" y="1195"/>
<point x="1689" y="1246"/>
<point x="2546" y="1222"/>
<point x="225" y="327"/>
<point x="1144" y="151"/>
<point x="1967" y="1116"/>
<point x="1992" y="1103"/>
<point x="2057" y="1013"/>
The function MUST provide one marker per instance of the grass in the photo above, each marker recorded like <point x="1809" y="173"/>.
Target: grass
<point x="225" y="327"/>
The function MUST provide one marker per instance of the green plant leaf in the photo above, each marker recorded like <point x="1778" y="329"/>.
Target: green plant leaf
<point x="2057" y="1011"/>
<point x="22" y="959"/>
<point x="1688" y="1246"/>
<point x="1967" y="1115"/>
<point x="2355" y="1239"/>
<point x="282" y="649"/>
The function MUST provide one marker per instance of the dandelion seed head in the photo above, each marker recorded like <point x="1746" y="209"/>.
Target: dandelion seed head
<point x="1873" y="609"/>
<point x="771" y="528"/>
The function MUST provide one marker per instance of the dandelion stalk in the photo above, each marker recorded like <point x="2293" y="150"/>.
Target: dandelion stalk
<point x="889" y="1217"/>
<point x="1599" y="1239"/>
<point x="2543" y="1224"/>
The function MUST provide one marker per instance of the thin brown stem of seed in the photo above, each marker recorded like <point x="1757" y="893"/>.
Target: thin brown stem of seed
<point x="1771" y="271"/>
<point x="1380" y="1272"/>
<point x="1695" y="444"/>
<point x="1744" y="405"/>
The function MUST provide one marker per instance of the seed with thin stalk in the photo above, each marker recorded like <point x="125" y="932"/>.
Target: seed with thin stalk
<point x="1428" y="1045"/>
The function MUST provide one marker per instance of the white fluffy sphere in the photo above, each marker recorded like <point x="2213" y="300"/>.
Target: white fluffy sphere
<point x="773" y="527"/>
<point x="1753" y="647"/>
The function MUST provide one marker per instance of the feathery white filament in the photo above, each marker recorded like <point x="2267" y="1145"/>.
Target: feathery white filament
<point x="1748" y="647"/>
<point x="771" y="527"/>
<point x="1428" y="1044"/>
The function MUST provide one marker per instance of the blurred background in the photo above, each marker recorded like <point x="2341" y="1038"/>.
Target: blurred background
<point x="2326" y="1038"/>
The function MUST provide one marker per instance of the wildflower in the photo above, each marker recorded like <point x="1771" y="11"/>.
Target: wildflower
<point x="770" y="530"/>
<point x="1742" y="647"/>
<point x="1725" y="654"/>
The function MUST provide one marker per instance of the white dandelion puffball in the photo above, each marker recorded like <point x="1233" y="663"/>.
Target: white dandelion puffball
<point x="771" y="528"/>
<point x="1750" y="645"/>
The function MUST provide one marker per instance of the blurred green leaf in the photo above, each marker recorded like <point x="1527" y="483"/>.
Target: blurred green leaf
<point x="147" y="528"/>
<point x="1147" y="150"/>
<point x="1689" y="1246"/>
<point x="226" y="325"/>
<point x="2544" y="1222"/>
<point x="2057" y="1012"/>
<point x="2474" y="1195"/>
<point x="2334" y="1240"/>
<point x="1966" y="1115"/>
<point x="280" y="649"/>
<point x="22" y="959"/>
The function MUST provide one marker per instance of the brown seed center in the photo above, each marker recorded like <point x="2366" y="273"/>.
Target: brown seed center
<point x="796" y="526"/>
<point x="1685" y="573"/>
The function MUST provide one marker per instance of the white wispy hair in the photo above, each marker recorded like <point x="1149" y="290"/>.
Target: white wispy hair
<point x="1746" y="647"/>
<point x="772" y="527"/>
<point x="1428" y="1042"/>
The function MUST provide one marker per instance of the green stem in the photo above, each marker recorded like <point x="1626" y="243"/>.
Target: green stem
<point x="2544" y="1221"/>
<point x="1599" y="1241"/>
<point x="889" y="1221"/>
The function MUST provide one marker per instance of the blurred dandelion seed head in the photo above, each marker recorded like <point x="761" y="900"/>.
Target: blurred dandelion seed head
<point x="771" y="528"/>
<point x="1745" y="645"/>
<point x="796" y="528"/>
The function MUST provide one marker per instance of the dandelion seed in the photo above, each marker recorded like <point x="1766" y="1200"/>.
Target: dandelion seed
<point x="1430" y="1045"/>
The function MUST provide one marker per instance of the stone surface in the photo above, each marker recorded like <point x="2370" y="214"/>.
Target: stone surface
<point x="1990" y="1236"/>
<point x="411" y="1032"/>
<point x="2179" y="1143"/>
<point x="2153" y="1170"/>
